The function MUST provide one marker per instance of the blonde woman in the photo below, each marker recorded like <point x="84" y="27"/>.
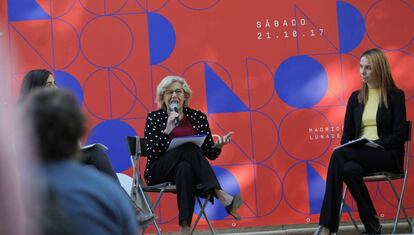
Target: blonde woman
<point x="377" y="112"/>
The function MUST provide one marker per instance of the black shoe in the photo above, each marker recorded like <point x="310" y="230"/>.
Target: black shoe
<point x="377" y="231"/>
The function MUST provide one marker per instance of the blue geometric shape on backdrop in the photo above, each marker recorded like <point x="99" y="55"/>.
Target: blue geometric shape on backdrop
<point x="346" y="208"/>
<point x="112" y="134"/>
<point x="68" y="81"/>
<point x="301" y="81"/>
<point x="161" y="37"/>
<point x="25" y="10"/>
<point x="230" y="185"/>
<point x="351" y="26"/>
<point x="316" y="189"/>
<point x="220" y="98"/>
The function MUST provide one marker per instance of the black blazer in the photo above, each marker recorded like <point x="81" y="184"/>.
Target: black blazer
<point x="391" y="123"/>
<point x="157" y="142"/>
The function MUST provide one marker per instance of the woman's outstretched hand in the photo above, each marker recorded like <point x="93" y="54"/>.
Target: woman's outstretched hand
<point x="222" y="140"/>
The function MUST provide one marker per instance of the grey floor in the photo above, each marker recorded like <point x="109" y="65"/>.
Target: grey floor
<point x="307" y="229"/>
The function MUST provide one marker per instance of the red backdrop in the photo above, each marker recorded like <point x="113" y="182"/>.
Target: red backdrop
<point x="278" y="73"/>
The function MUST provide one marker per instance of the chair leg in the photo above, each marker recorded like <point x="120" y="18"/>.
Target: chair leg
<point x="137" y="191"/>
<point x="203" y="213"/>
<point x="343" y="203"/>
<point x="150" y="209"/>
<point x="158" y="199"/>
<point x="400" y="206"/>
<point x="354" y="222"/>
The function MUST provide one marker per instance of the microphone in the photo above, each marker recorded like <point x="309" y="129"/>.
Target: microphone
<point x="174" y="107"/>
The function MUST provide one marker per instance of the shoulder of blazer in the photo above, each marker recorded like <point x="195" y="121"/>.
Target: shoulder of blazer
<point x="354" y="94"/>
<point x="190" y="111"/>
<point x="156" y="117"/>
<point x="158" y="112"/>
<point x="353" y="99"/>
<point x="395" y="93"/>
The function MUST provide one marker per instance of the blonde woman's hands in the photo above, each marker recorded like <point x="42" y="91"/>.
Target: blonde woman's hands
<point x="222" y="140"/>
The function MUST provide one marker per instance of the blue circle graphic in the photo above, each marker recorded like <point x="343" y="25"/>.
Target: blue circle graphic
<point x="68" y="81"/>
<point x="301" y="81"/>
<point x="351" y="26"/>
<point x="161" y="37"/>
<point x="230" y="185"/>
<point x="112" y="134"/>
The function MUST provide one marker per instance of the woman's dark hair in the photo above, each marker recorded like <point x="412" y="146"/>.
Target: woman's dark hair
<point x="33" y="79"/>
<point x="57" y="123"/>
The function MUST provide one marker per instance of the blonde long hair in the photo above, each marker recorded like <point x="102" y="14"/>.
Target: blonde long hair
<point x="382" y="72"/>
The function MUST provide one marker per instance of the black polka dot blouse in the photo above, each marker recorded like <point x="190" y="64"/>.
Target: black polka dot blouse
<point x="157" y="142"/>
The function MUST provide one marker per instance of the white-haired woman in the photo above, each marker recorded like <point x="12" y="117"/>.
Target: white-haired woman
<point x="185" y="165"/>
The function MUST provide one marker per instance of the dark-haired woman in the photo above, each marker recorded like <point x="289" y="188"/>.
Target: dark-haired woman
<point x="42" y="78"/>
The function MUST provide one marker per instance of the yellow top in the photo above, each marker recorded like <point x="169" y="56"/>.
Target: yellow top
<point x="369" y="117"/>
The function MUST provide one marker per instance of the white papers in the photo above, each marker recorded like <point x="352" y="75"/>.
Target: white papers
<point x="95" y="145"/>
<point x="195" y="139"/>
<point x="363" y="141"/>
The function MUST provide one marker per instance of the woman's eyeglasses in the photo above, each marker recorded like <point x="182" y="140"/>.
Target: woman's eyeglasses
<point x="171" y="92"/>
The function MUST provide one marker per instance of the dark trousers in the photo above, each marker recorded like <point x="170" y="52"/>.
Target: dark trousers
<point x="349" y="165"/>
<point x="100" y="160"/>
<point x="186" y="166"/>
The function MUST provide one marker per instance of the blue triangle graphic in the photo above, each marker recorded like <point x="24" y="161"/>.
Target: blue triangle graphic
<point x="316" y="189"/>
<point x="346" y="208"/>
<point x="22" y="10"/>
<point x="220" y="98"/>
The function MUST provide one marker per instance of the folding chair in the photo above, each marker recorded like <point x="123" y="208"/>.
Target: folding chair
<point x="140" y="190"/>
<point x="389" y="177"/>
<point x="412" y="227"/>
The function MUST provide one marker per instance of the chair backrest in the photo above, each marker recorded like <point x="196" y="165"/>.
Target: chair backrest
<point x="142" y="144"/>
<point x="135" y="146"/>
<point x="140" y="198"/>
<point x="136" y="150"/>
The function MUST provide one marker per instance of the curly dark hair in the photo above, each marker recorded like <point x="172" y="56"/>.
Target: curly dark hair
<point x="57" y="123"/>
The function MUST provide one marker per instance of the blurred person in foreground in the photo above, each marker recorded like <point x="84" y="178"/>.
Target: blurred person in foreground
<point x="377" y="112"/>
<point x="20" y="184"/>
<point x="187" y="164"/>
<point x="94" y="156"/>
<point x="42" y="78"/>
<point x="93" y="202"/>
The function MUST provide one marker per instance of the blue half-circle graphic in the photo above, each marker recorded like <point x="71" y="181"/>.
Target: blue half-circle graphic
<point x="68" y="81"/>
<point x="230" y="185"/>
<point x="112" y="134"/>
<point x="301" y="81"/>
<point x="351" y="26"/>
<point x="316" y="189"/>
<point x="161" y="37"/>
